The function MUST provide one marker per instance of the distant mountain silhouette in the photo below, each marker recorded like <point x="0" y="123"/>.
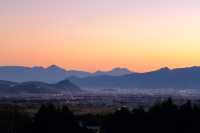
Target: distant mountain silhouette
<point x="114" y="72"/>
<point x="66" y="85"/>
<point x="52" y="74"/>
<point x="180" y="78"/>
<point x="37" y="87"/>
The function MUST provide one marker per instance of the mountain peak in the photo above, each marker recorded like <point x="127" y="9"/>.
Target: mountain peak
<point x="121" y="69"/>
<point x="165" y="69"/>
<point x="114" y="72"/>
<point x="66" y="84"/>
<point x="53" y="67"/>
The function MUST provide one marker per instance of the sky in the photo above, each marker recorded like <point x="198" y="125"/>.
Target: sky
<point x="92" y="35"/>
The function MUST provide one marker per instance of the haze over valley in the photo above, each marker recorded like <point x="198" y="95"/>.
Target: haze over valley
<point x="56" y="82"/>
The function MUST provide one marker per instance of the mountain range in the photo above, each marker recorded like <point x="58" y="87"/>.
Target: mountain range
<point x="39" y="77"/>
<point x="51" y="74"/>
<point x="180" y="78"/>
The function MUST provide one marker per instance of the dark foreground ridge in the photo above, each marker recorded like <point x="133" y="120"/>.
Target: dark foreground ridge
<point x="36" y="87"/>
<point x="165" y="117"/>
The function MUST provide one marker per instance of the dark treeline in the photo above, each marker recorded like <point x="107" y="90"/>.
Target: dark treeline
<point x="49" y="119"/>
<point x="164" y="117"/>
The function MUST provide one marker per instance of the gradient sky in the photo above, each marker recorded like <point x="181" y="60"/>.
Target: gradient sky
<point x="100" y="34"/>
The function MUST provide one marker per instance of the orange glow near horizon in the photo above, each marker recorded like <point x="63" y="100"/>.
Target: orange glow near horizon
<point x="139" y="39"/>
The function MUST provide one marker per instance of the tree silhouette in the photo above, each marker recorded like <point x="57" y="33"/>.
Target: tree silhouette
<point x="165" y="117"/>
<point x="50" y="119"/>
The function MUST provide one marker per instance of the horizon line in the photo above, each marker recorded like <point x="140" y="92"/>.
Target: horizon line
<point x="98" y="70"/>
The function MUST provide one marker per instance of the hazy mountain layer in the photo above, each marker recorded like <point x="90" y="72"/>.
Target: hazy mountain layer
<point x="181" y="78"/>
<point x="51" y="74"/>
